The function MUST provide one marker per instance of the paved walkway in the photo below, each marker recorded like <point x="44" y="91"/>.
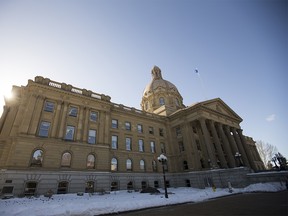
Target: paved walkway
<point x="251" y="204"/>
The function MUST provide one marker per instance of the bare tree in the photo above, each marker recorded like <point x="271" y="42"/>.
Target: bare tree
<point x="266" y="152"/>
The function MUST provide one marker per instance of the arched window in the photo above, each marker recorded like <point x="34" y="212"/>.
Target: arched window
<point x="66" y="159"/>
<point x="128" y="165"/>
<point x="91" y="161"/>
<point x="185" y="165"/>
<point x="142" y="165"/>
<point x="154" y="166"/>
<point x="114" y="164"/>
<point x="37" y="158"/>
<point x="161" y="101"/>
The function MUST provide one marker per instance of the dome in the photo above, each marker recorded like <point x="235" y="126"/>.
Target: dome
<point x="158" y="83"/>
<point x="160" y="92"/>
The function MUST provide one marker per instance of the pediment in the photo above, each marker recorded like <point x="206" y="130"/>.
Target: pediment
<point x="219" y="106"/>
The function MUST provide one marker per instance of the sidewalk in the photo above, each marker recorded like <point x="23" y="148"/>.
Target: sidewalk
<point x="252" y="204"/>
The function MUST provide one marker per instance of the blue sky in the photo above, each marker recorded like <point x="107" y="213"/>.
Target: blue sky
<point x="239" y="47"/>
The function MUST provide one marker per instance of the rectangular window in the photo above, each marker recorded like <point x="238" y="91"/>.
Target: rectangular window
<point x="151" y="130"/>
<point x="178" y="131"/>
<point x="69" y="132"/>
<point x="161" y="132"/>
<point x="181" y="146"/>
<point x="128" y="126"/>
<point x="49" y="106"/>
<point x="162" y="148"/>
<point x="128" y="143"/>
<point x="141" y="145"/>
<point x="73" y="111"/>
<point x="44" y="129"/>
<point x="92" y="137"/>
<point x="114" y="123"/>
<point x="152" y="146"/>
<point x="93" y="116"/>
<point x="140" y="128"/>
<point x="114" y="142"/>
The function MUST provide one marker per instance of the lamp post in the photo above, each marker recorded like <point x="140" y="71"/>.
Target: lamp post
<point x="163" y="159"/>
<point x="238" y="158"/>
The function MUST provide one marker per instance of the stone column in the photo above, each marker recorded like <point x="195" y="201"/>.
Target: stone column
<point x="55" y="123"/>
<point x="3" y="117"/>
<point x="240" y="147"/>
<point x="80" y="125"/>
<point x="227" y="148"/>
<point x="246" y="149"/>
<point x="188" y="145"/>
<point x="195" y="153"/>
<point x="232" y="143"/>
<point x="28" y="114"/>
<point x="36" y="115"/>
<point x="218" y="144"/>
<point x="63" y="119"/>
<point x="207" y="140"/>
<point x="86" y="122"/>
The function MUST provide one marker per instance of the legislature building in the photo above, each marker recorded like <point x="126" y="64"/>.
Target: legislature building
<point x="55" y="136"/>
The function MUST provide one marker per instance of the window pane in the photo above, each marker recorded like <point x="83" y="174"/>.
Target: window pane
<point x="141" y="145"/>
<point x="69" y="132"/>
<point x="128" y="143"/>
<point x="114" y="123"/>
<point x="151" y="130"/>
<point x="37" y="158"/>
<point x="66" y="159"/>
<point x="142" y="165"/>
<point x="44" y="129"/>
<point x="154" y="165"/>
<point x="49" y="106"/>
<point x="30" y="188"/>
<point x="161" y="101"/>
<point x="152" y="146"/>
<point x="93" y="116"/>
<point x="73" y="111"/>
<point x="114" y="142"/>
<point x="128" y="126"/>
<point x="92" y="137"/>
<point x="114" y="164"/>
<point x="91" y="161"/>
<point x="129" y="164"/>
<point x="140" y="128"/>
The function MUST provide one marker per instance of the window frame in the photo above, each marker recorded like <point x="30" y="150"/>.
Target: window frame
<point x="67" y="136"/>
<point x="140" y="128"/>
<point x="114" y="123"/>
<point x="43" y="132"/>
<point x="93" y="141"/>
<point x="114" y="143"/>
<point x="152" y="146"/>
<point x="91" y="118"/>
<point x="128" y="126"/>
<point x="48" y="107"/>
<point x="73" y="111"/>
<point x="128" y="143"/>
<point x="141" y="145"/>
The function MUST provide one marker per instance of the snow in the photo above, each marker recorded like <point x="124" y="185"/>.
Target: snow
<point x="119" y="201"/>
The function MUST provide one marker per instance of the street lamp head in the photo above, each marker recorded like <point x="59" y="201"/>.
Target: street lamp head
<point x="162" y="158"/>
<point x="237" y="154"/>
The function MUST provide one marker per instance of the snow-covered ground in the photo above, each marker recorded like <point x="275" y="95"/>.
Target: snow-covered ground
<point x="71" y="204"/>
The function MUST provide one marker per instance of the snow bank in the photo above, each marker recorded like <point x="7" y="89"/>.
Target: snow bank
<point x="86" y="205"/>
